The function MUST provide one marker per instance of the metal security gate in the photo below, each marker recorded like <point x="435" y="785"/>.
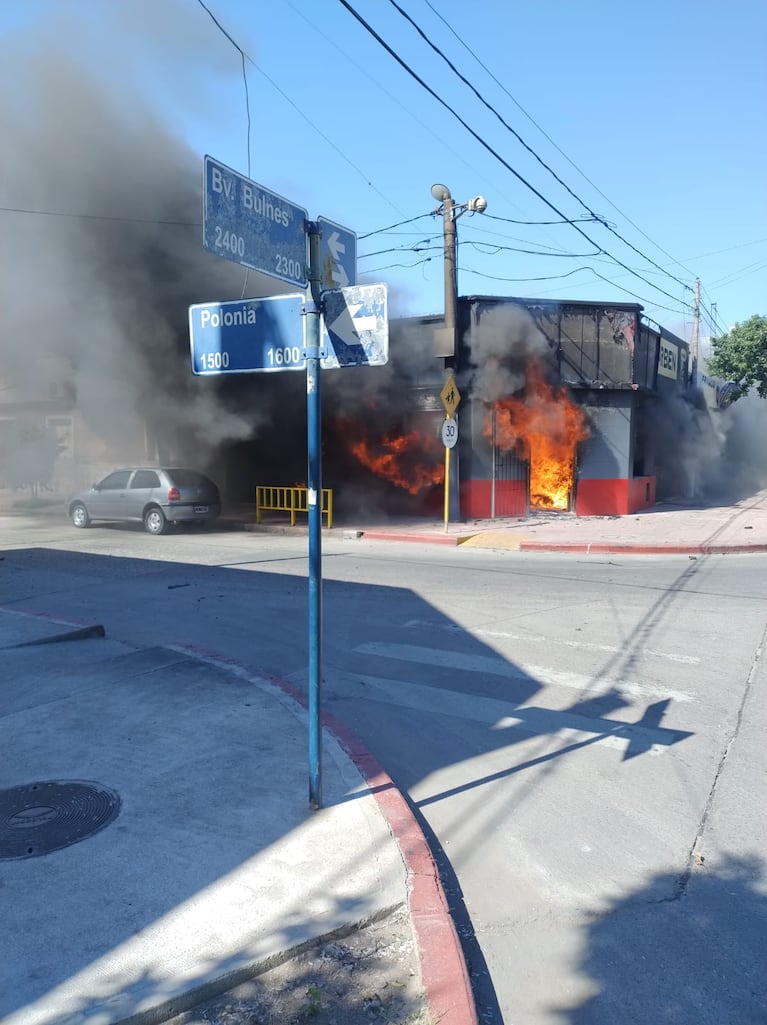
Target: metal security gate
<point x="509" y="488"/>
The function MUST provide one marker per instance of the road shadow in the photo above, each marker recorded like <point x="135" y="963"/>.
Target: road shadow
<point x="688" y="956"/>
<point x="212" y="608"/>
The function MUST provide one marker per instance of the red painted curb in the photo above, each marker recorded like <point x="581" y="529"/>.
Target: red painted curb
<point x="443" y="968"/>
<point x="630" y="548"/>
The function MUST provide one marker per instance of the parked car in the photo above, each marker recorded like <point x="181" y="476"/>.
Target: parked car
<point x="153" y="496"/>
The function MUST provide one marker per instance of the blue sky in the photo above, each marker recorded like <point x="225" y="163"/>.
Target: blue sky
<point x="652" y="115"/>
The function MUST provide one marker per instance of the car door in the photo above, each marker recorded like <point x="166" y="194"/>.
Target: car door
<point x="142" y="484"/>
<point x="107" y="500"/>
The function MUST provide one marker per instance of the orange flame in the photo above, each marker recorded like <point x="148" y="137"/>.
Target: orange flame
<point x="410" y="461"/>
<point x="544" y="425"/>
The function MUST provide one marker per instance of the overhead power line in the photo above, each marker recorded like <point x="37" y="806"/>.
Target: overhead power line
<point x="403" y="64"/>
<point x="529" y="148"/>
<point x="311" y="122"/>
<point x="98" y="217"/>
<point x="546" y="136"/>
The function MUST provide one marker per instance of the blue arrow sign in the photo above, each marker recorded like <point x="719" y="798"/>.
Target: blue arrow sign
<point x="248" y="336"/>
<point x="248" y="224"/>
<point x="338" y="255"/>
<point x="356" y="322"/>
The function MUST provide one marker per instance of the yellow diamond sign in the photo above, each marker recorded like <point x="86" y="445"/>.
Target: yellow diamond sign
<point x="450" y="396"/>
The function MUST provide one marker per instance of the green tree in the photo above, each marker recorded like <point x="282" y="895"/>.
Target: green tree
<point x="741" y="356"/>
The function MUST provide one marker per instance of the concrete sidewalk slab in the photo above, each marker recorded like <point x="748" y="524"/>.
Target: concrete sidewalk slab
<point x="714" y="528"/>
<point x="215" y="864"/>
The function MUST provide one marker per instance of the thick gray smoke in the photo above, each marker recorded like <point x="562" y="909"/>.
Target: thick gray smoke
<point x="101" y="246"/>
<point x="502" y="341"/>
<point x="101" y="255"/>
<point x="742" y="467"/>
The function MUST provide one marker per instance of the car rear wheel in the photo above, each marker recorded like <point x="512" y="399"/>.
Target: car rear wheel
<point x="79" y="515"/>
<point x="154" y="521"/>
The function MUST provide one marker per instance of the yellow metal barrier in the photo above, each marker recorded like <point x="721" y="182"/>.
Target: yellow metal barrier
<point x="292" y="500"/>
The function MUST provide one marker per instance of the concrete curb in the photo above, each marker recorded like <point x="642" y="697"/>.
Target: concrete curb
<point x="638" y="548"/>
<point x="444" y="973"/>
<point x="434" y="539"/>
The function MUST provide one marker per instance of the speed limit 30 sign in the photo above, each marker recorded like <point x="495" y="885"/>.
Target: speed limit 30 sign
<point x="449" y="432"/>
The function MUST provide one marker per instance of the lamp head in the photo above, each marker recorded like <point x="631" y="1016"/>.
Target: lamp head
<point x="440" y="193"/>
<point x="477" y="205"/>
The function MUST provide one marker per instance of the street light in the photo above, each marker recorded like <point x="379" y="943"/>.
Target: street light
<point x="445" y="340"/>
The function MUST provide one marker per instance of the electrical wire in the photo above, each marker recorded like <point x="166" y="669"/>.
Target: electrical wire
<point x="494" y="152"/>
<point x="546" y="136"/>
<point x="552" y="277"/>
<point x="380" y="231"/>
<point x="529" y="148"/>
<point x="98" y="217"/>
<point x="243" y="57"/>
<point x="312" y="123"/>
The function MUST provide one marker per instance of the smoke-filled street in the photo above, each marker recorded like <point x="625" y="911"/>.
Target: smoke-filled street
<point x="579" y="736"/>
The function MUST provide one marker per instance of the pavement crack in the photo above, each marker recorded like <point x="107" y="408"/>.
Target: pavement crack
<point x="694" y="857"/>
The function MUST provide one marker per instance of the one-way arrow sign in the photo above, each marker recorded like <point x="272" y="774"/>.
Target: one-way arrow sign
<point x="356" y="323"/>
<point x="338" y="255"/>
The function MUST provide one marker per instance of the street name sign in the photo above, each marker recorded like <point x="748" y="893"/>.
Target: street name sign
<point x="248" y="336"/>
<point x="338" y="255"/>
<point x="356" y="327"/>
<point x="249" y="225"/>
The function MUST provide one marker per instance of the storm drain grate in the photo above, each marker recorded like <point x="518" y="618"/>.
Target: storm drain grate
<point x="39" y="818"/>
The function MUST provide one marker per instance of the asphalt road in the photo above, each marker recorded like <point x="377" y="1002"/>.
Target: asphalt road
<point x="581" y="737"/>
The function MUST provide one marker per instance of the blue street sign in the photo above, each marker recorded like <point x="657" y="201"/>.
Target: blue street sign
<point x="338" y="255"/>
<point x="248" y="224"/>
<point x="356" y="322"/>
<point x="247" y="336"/>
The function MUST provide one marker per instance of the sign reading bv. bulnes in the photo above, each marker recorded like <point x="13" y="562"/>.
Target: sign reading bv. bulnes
<point x="248" y="224"/>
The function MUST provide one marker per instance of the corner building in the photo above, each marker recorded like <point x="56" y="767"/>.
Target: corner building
<point x="625" y="374"/>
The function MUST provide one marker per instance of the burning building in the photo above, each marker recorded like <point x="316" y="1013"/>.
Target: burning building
<point x="561" y="397"/>
<point x="101" y="257"/>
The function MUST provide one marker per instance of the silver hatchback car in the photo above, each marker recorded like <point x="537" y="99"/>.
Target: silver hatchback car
<point x="153" y="496"/>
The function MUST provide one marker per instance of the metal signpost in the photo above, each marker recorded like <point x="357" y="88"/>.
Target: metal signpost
<point x="249" y="225"/>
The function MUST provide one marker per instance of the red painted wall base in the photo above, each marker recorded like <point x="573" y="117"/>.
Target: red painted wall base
<point x="476" y="498"/>
<point x="593" y="497"/>
<point x="614" y="497"/>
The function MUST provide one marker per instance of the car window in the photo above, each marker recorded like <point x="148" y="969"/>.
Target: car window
<point x="145" y="479"/>
<point x="187" y="478"/>
<point x="116" y="480"/>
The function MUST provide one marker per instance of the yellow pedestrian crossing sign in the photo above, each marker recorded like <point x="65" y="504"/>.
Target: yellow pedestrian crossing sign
<point x="450" y="396"/>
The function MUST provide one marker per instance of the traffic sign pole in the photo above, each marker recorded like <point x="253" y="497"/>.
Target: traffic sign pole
<point x="451" y="397"/>
<point x="447" y="486"/>
<point x="314" y="500"/>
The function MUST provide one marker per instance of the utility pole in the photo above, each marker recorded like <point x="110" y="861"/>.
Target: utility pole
<point x="445" y="340"/>
<point x="695" y="334"/>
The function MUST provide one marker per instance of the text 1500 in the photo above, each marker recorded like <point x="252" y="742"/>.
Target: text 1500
<point x="214" y="360"/>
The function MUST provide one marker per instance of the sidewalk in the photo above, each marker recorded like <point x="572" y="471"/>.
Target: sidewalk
<point x="668" y="528"/>
<point x="156" y="841"/>
<point x="704" y="527"/>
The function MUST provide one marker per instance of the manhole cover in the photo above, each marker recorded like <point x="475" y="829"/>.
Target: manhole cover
<point x="42" y="817"/>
